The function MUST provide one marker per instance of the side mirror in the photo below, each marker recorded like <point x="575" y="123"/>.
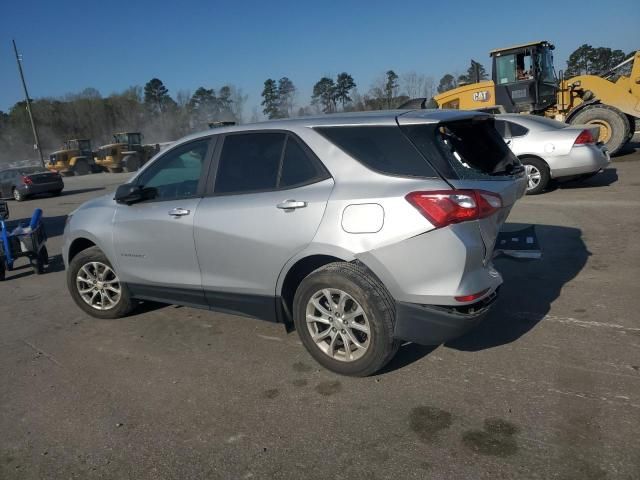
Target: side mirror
<point x="130" y="193"/>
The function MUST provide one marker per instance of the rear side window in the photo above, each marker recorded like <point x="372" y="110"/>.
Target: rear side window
<point x="298" y="167"/>
<point x="464" y="149"/>
<point x="517" y="130"/>
<point x="249" y="162"/>
<point x="384" y="149"/>
<point x="252" y="162"/>
<point x="503" y="128"/>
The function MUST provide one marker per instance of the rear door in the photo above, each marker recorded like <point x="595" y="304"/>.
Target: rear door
<point x="269" y="194"/>
<point x="470" y="154"/>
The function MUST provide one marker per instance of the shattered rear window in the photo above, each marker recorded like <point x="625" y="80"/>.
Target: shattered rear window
<point x="465" y="149"/>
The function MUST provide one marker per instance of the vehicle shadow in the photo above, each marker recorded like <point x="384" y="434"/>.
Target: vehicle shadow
<point x="529" y="289"/>
<point x="629" y="148"/>
<point x="602" y="179"/>
<point x="66" y="193"/>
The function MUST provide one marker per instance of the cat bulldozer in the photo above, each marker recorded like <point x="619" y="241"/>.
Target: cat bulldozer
<point x="126" y="153"/>
<point x="524" y="80"/>
<point x="75" y="158"/>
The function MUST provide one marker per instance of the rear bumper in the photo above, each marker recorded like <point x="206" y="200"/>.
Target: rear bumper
<point x="434" y="324"/>
<point x="581" y="159"/>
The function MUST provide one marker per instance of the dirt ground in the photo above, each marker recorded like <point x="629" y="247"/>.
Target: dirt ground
<point x="547" y="387"/>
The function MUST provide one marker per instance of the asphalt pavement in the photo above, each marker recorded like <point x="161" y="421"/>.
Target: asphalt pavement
<point x="547" y="387"/>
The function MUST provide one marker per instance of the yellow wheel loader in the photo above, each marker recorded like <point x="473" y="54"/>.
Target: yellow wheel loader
<point x="126" y="153"/>
<point x="524" y="81"/>
<point x="75" y="158"/>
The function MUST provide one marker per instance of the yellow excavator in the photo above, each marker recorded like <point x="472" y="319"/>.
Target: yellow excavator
<point x="524" y="81"/>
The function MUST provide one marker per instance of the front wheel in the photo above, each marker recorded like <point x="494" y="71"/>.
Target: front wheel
<point x="81" y="168"/>
<point x="131" y="163"/>
<point x="345" y="318"/>
<point x="538" y="175"/>
<point x="95" y="286"/>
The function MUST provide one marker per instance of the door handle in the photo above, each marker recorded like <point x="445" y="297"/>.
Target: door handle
<point x="291" y="205"/>
<point x="179" y="212"/>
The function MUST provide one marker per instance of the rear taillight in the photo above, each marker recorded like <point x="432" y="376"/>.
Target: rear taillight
<point x="584" y="138"/>
<point x="27" y="180"/>
<point x="471" y="298"/>
<point x="445" y="207"/>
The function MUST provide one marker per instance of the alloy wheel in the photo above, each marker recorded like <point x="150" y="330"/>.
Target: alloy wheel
<point x="338" y="325"/>
<point x="98" y="285"/>
<point x="533" y="176"/>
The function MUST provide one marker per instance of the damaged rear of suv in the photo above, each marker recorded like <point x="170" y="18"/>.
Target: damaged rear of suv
<point x="361" y="230"/>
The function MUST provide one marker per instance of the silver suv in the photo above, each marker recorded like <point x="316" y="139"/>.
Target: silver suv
<point x="360" y="230"/>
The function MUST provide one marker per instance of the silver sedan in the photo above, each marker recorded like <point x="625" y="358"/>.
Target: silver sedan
<point x="552" y="150"/>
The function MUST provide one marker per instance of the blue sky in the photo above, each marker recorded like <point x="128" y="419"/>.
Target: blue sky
<point x="70" y="45"/>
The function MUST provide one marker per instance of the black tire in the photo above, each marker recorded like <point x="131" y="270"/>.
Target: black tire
<point x="57" y="193"/>
<point x="17" y="196"/>
<point x="130" y="163"/>
<point x="632" y="127"/>
<point x="40" y="262"/>
<point x="125" y="304"/>
<point x="81" y="168"/>
<point x="539" y="166"/>
<point x="114" y="169"/>
<point x="374" y="299"/>
<point x="2" y="270"/>
<point x="616" y="121"/>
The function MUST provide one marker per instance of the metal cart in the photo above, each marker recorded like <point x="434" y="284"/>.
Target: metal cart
<point x="22" y="241"/>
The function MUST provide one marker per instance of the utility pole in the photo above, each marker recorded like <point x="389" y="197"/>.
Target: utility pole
<point x="26" y="94"/>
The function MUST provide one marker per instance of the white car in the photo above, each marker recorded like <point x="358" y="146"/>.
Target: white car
<point x="552" y="150"/>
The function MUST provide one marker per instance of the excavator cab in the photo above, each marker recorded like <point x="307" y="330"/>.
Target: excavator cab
<point x="128" y="138"/>
<point x="524" y="77"/>
<point x="82" y="145"/>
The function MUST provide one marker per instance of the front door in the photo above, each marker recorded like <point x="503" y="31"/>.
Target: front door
<point x="154" y="239"/>
<point x="269" y="198"/>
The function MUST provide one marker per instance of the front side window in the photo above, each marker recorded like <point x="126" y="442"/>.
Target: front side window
<point x="506" y="69"/>
<point x="545" y="63"/>
<point x="176" y="174"/>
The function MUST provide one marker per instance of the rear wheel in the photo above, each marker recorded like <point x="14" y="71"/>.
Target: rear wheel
<point x="537" y="175"/>
<point x="95" y="286"/>
<point x="81" y="168"/>
<point x="19" y="197"/>
<point x="345" y="318"/>
<point x="57" y="192"/>
<point x="130" y="163"/>
<point x="2" y="270"/>
<point x="614" y="125"/>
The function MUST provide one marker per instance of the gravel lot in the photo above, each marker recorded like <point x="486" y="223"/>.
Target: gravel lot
<point x="547" y="387"/>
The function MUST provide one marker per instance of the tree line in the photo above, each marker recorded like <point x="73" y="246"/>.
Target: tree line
<point x="162" y="117"/>
<point x="88" y="114"/>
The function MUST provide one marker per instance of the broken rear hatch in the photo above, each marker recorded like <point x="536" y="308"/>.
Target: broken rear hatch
<point x="469" y="154"/>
